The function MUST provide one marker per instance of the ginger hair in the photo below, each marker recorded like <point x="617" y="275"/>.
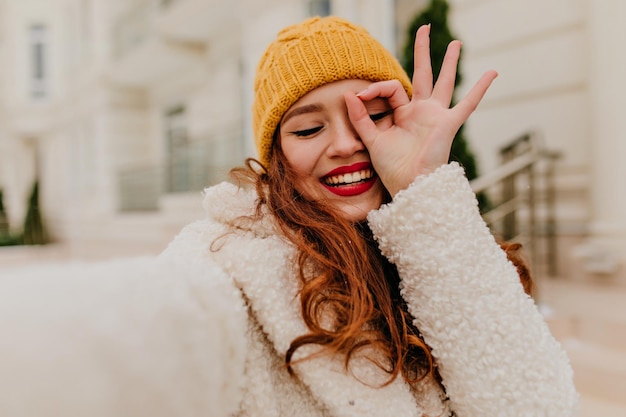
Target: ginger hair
<point x="514" y="253"/>
<point x="350" y="281"/>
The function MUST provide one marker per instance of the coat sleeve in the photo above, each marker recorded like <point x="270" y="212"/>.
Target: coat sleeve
<point x="131" y="337"/>
<point x="493" y="348"/>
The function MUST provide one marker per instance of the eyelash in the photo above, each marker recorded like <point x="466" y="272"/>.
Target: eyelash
<point x="308" y="132"/>
<point x="379" y="116"/>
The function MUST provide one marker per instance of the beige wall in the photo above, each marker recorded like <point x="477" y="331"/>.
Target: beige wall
<point x="541" y="51"/>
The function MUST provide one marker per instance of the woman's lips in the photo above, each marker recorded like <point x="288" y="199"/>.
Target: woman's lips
<point x="350" y="180"/>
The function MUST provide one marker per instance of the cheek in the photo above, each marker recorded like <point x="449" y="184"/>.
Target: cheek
<point x="303" y="162"/>
<point x="300" y="155"/>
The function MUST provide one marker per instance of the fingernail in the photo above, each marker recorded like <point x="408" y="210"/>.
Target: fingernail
<point x="361" y="92"/>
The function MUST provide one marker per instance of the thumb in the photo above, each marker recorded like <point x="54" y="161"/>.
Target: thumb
<point x="360" y="119"/>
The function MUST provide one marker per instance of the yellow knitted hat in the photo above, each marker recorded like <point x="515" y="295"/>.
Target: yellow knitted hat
<point x="307" y="55"/>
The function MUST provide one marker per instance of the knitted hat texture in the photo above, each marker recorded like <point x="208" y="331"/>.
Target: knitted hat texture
<point x="307" y="55"/>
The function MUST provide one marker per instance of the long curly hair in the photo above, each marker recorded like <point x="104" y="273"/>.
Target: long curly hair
<point x="350" y="297"/>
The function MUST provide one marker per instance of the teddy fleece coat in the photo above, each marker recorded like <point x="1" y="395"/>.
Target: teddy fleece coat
<point x="492" y="346"/>
<point x="202" y="330"/>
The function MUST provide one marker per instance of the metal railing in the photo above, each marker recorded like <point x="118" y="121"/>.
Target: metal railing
<point x="190" y="168"/>
<point x="522" y="192"/>
<point x="140" y="189"/>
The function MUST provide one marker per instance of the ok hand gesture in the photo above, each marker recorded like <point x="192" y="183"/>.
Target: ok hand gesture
<point x="420" y="139"/>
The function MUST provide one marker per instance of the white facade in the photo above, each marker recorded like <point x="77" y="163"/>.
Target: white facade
<point x="560" y="76"/>
<point x="137" y="99"/>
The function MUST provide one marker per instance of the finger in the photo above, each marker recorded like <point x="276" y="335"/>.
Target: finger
<point x="466" y="107"/>
<point x="444" y="87"/>
<point x="360" y="119"/>
<point x="422" y="69"/>
<point x="392" y="90"/>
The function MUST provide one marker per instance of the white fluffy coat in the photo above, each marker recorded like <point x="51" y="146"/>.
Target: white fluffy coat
<point x="493" y="348"/>
<point x="202" y="330"/>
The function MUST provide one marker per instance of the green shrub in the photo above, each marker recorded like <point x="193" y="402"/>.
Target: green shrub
<point x="34" y="232"/>
<point x="4" y="222"/>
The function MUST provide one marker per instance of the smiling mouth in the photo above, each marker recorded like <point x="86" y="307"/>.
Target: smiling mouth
<point x="351" y="178"/>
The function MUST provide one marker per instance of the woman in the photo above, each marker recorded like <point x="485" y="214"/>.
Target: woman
<point x="371" y="284"/>
<point x="355" y="277"/>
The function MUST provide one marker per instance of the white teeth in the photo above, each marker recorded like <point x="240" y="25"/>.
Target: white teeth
<point x="350" y="178"/>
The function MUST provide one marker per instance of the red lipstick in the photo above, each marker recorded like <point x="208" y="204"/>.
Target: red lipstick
<point x="352" y="189"/>
<point x="359" y="166"/>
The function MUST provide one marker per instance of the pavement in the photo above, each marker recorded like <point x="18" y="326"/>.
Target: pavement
<point x="589" y="319"/>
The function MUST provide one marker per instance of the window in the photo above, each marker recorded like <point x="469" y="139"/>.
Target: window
<point x="177" y="166"/>
<point x="319" y="7"/>
<point x="38" y="57"/>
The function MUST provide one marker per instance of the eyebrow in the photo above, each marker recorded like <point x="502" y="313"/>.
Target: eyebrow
<point x="309" y="108"/>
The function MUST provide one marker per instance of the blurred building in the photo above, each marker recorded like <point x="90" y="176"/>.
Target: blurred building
<point x="562" y="79"/>
<point x="125" y="109"/>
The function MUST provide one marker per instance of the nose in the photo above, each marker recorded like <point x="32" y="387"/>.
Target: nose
<point x="345" y="141"/>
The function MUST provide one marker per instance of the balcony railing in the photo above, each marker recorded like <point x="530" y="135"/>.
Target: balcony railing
<point x="191" y="168"/>
<point x="522" y="193"/>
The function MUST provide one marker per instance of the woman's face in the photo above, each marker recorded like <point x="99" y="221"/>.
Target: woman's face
<point x="321" y="145"/>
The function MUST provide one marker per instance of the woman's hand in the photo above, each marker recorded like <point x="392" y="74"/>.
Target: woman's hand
<point x="424" y="127"/>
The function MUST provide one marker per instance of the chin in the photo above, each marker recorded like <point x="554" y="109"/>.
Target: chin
<point x="356" y="214"/>
<point x="353" y="209"/>
<point x="356" y="211"/>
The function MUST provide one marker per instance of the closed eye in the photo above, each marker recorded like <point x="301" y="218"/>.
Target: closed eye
<point x="378" y="116"/>
<point x="307" y="132"/>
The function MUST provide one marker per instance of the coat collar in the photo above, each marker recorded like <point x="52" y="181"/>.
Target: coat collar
<point x="261" y="263"/>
